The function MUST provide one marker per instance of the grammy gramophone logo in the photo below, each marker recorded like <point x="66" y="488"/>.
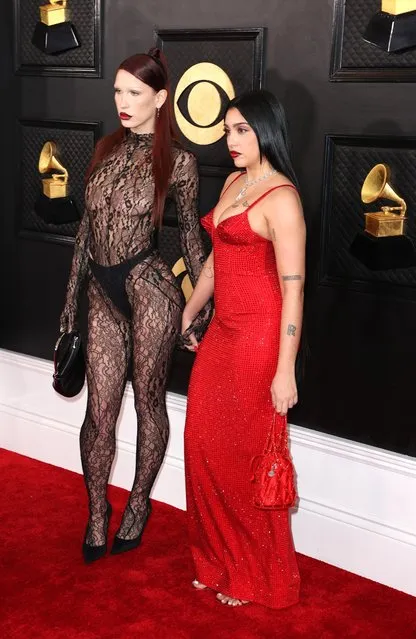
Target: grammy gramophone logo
<point x="383" y="245"/>
<point x="389" y="221"/>
<point x="393" y="28"/>
<point x="55" y="33"/>
<point x="199" y="102"/>
<point x="54" y="205"/>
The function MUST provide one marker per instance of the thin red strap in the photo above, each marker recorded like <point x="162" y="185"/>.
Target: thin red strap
<point x="269" y="191"/>
<point x="232" y="182"/>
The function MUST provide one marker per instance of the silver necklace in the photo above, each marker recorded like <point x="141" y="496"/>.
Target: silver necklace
<point x="247" y="184"/>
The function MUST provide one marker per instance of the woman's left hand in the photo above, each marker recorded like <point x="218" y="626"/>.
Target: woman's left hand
<point x="284" y="392"/>
<point x="186" y="323"/>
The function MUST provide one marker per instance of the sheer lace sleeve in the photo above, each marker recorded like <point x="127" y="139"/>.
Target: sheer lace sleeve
<point x="194" y="255"/>
<point x="79" y="267"/>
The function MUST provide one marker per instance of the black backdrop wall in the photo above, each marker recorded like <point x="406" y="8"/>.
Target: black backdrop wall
<point x="359" y="381"/>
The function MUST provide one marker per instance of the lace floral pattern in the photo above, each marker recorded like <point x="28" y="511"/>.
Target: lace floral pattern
<point x="116" y="225"/>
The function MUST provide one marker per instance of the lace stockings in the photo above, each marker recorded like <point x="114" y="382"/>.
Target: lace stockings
<point x="150" y="338"/>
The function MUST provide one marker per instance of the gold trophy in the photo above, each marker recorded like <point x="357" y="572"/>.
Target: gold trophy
<point x="383" y="245"/>
<point x="56" y="185"/>
<point x="393" y="29"/>
<point x="54" y="205"/>
<point x="390" y="220"/>
<point x="54" y="33"/>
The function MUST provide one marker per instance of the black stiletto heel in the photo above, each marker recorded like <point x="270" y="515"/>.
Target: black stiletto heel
<point x="124" y="545"/>
<point x="92" y="553"/>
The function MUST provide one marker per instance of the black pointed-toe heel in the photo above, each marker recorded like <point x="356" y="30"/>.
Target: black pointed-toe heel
<point x="92" y="553"/>
<point x="123" y="545"/>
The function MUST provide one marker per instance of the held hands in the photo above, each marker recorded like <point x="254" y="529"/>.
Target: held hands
<point x="188" y="338"/>
<point x="284" y="392"/>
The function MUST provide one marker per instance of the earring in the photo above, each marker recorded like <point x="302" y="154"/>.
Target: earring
<point x="157" y="112"/>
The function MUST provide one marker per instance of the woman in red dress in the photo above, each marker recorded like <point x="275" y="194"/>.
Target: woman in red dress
<point x="244" y="372"/>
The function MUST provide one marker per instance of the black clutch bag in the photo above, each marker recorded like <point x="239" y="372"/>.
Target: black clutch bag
<point x="69" y="365"/>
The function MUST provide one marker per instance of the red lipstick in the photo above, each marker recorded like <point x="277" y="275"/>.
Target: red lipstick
<point x="234" y="154"/>
<point x="124" y="116"/>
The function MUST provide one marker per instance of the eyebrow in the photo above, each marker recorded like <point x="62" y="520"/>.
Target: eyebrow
<point x="237" y="124"/>
<point x="116" y="86"/>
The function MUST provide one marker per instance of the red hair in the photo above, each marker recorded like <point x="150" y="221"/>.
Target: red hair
<point x="150" y="68"/>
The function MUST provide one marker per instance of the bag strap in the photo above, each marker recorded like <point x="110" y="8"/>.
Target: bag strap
<point x="272" y="445"/>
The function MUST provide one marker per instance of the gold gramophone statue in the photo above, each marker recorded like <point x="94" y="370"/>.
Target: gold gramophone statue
<point x="54" y="205"/>
<point x="54" y="33"/>
<point x="390" y="220"/>
<point x="57" y="184"/>
<point x="383" y="245"/>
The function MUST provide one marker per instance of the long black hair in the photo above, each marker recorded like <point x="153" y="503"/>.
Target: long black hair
<point x="267" y="118"/>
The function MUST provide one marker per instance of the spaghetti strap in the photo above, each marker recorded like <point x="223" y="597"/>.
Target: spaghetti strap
<point x="232" y="182"/>
<point x="274" y="188"/>
<point x="245" y="211"/>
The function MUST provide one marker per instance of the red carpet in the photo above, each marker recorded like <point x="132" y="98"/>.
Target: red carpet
<point x="47" y="591"/>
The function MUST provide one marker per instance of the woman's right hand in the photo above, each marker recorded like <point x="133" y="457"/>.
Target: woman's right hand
<point x="67" y="321"/>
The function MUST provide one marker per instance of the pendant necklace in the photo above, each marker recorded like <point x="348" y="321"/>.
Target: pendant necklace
<point x="247" y="184"/>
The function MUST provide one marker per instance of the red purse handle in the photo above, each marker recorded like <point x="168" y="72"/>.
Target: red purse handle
<point x="272" y="446"/>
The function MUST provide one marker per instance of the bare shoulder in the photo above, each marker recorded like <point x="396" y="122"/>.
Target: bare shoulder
<point x="233" y="176"/>
<point x="283" y="204"/>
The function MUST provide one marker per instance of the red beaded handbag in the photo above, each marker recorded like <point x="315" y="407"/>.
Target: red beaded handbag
<point x="272" y="473"/>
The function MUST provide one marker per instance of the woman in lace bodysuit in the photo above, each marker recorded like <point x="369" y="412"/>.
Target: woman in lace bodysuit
<point x="135" y="303"/>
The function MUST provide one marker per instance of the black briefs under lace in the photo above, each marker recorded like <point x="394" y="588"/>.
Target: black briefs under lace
<point x="113" y="279"/>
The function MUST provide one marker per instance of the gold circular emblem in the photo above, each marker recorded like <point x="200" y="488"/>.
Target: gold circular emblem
<point x="199" y="102"/>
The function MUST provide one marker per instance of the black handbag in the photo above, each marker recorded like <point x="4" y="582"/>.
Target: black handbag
<point x="69" y="365"/>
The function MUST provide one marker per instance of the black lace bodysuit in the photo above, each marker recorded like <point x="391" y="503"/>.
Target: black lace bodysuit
<point x="117" y="229"/>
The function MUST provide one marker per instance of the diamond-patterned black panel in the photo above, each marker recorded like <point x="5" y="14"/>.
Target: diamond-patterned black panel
<point x="238" y="57"/>
<point x="344" y="214"/>
<point x="358" y="54"/>
<point x="83" y="15"/>
<point x="169" y="244"/>
<point x="74" y="149"/>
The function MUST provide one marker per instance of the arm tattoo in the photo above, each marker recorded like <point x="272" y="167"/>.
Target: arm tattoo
<point x="291" y="330"/>
<point x="286" y="278"/>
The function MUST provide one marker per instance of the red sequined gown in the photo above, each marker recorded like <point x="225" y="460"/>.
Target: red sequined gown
<point x="238" y="549"/>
